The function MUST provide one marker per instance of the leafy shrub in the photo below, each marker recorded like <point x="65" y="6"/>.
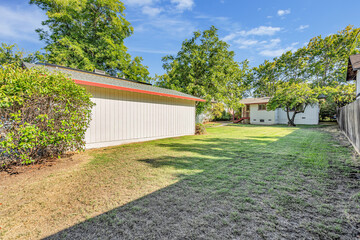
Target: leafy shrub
<point x="225" y="116"/>
<point x="217" y="110"/>
<point x="200" y="129"/>
<point x="42" y="114"/>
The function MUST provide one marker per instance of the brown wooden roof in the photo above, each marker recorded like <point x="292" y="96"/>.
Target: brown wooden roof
<point x="353" y="67"/>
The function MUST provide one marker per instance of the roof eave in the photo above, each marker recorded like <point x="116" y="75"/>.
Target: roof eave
<point x="102" y="85"/>
<point x="351" y="73"/>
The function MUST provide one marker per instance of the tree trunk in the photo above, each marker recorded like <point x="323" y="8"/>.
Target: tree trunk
<point x="290" y="120"/>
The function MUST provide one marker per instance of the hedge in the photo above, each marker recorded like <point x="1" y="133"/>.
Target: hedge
<point x="42" y="114"/>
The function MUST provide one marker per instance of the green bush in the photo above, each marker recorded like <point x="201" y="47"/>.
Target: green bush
<point x="200" y="129"/>
<point x="225" y="116"/>
<point x="42" y="114"/>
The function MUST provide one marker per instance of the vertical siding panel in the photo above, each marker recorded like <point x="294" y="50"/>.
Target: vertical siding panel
<point x="123" y="116"/>
<point x="111" y="115"/>
<point x="126" y="115"/>
<point x="153" y="116"/>
<point x="116" y="114"/>
<point x="107" y="115"/>
<point x="135" y="116"/>
<point x="103" y="116"/>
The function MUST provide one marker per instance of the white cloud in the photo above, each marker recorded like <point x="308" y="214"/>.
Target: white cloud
<point x="246" y="43"/>
<point x="275" y="52"/>
<point x="20" y="23"/>
<point x="182" y="5"/>
<point x="151" y="11"/>
<point x="259" y="31"/>
<point x="138" y="2"/>
<point x="272" y="43"/>
<point x="168" y="26"/>
<point x="283" y="12"/>
<point x="229" y="37"/>
<point x="302" y="27"/>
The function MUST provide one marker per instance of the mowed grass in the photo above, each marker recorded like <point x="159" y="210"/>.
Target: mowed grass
<point x="236" y="182"/>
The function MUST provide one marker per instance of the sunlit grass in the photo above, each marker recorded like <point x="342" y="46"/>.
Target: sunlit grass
<point x="239" y="181"/>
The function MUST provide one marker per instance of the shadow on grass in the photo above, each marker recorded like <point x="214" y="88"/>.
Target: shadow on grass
<point x="259" y="187"/>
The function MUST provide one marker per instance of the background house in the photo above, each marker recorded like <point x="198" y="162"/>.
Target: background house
<point x="130" y="111"/>
<point x="255" y="112"/>
<point x="353" y="72"/>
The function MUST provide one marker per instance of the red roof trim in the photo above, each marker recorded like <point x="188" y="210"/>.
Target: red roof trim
<point x="87" y="83"/>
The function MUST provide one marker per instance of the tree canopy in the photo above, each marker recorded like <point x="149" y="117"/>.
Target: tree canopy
<point x="293" y="97"/>
<point x="204" y="67"/>
<point x="88" y="35"/>
<point x="322" y="62"/>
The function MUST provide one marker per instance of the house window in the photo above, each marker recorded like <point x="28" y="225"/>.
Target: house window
<point x="247" y="108"/>
<point x="269" y="120"/>
<point x="262" y="120"/>
<point x="254" y="120"/>
<point x="262" y="107"/>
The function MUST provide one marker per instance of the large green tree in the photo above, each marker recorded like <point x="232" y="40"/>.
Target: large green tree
<point x="237" y="86"/>
<point x="293" y="98"/>
<point x="89" y="34"/>
<point x="289" y="67"/>
<point x="265" y="79"/>
<point x="322" y="62"/>
<point x="202" y="67"/>
<point x="328" y="56"/>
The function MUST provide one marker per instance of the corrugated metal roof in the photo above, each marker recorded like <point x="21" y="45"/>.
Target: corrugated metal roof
<point x="255" y="100"/>
<point x="94" y="79"/>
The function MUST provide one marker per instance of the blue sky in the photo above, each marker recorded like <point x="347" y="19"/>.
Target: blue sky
<point x="256" y="30"/>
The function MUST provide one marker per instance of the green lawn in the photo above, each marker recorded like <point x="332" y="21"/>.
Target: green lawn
<point x="236" y="182"/>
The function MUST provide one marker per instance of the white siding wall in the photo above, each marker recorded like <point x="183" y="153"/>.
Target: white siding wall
<point x="256" y="115"/>
<point x="122" y="117"/>
<point x="310" y="116"/>
<point x="358" y="83"/>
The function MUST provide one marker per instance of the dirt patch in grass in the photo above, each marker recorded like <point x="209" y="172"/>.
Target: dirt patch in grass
<point x="237" y="182"/>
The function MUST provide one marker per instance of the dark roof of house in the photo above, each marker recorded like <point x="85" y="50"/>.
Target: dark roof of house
<point x="353" y="67"/>
<point x="261" y="100"/>
<point x="106" y="81"/>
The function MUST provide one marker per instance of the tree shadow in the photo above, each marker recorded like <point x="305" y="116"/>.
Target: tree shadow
<point x="244" y="189"/>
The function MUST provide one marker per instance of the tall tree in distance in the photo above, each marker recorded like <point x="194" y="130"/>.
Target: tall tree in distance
<point x="328" y="56"/>
<point x="292" y="66"/>
<point x="202" y="68"/>
<point x="89" y="34"/>
<point x="265" y="78"/>
<point x="237" y="86"/>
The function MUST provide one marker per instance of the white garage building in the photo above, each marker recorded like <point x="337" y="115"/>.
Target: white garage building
<point x="255" y="112"/>
<point x="130" y="111"/>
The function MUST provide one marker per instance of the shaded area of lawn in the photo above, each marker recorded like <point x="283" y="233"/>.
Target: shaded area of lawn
<point x="240" y="182"/>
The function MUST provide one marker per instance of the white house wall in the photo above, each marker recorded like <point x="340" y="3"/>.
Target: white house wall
<point x="122" y="117"/>
<point x="358" y="84"/>
<point x="257" y="115"/>
<point x="310" y="116"/>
